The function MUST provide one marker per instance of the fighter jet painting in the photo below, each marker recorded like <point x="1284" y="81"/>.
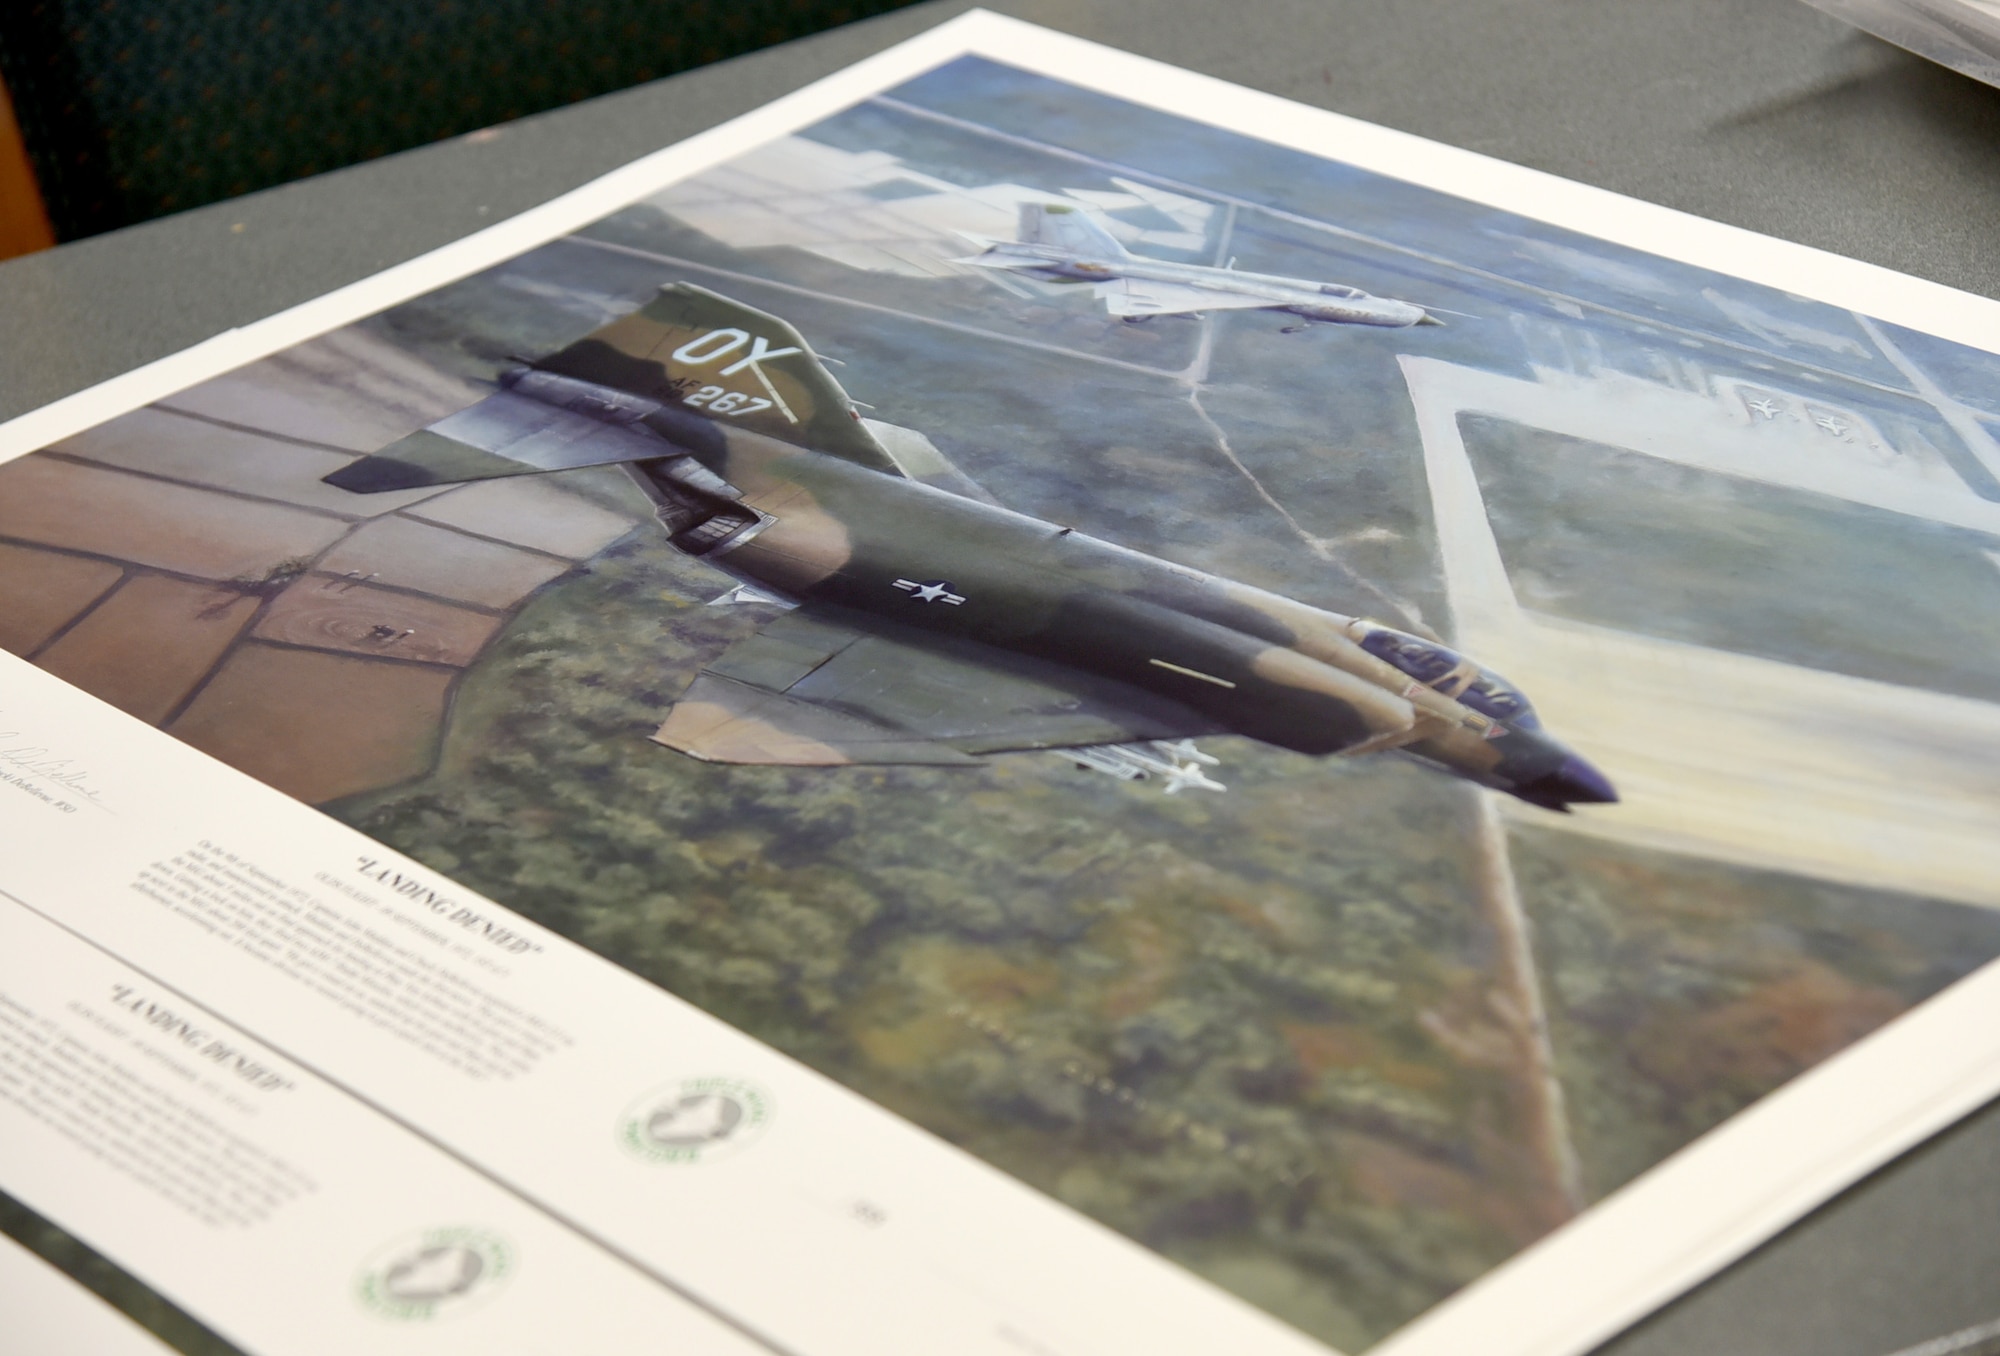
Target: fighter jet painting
<point x="925" y="623"/>
<point x="1062" y="244"/>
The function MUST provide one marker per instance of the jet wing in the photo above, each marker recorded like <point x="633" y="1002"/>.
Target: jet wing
<point x="503" y="435"/>
<point x="825" y="687"/>
<point x="917" y="457"/>
<point x="1014" y="262"/>
<point x="1139" y="297"/>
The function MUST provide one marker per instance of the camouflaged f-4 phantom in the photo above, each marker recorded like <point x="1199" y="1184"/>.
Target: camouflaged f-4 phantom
<point x="926" y="623"/>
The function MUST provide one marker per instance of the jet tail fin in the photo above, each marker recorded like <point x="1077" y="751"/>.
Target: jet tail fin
<point x="721" y="359"/>
<point x="706" y="355"/>
<point x="1067" y="228"/>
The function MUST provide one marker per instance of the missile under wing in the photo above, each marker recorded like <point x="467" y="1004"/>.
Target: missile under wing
<point x="927" y="624"/>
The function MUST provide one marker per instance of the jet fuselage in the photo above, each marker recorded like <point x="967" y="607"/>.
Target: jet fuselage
<point x="1330" y="302"/>
<point x="812" y="527"/>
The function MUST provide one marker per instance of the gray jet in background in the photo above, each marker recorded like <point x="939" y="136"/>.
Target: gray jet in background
<point x="1058" y="243"/>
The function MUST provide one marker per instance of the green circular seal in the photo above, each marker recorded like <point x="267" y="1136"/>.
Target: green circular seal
<point x="694" y="1120"/>
<point x="434" y="1273"/>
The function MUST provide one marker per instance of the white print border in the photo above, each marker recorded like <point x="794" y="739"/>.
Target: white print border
<point x="1700" y="1209"/>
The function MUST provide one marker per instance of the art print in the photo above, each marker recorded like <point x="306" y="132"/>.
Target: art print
<point x="1324" y="725"/>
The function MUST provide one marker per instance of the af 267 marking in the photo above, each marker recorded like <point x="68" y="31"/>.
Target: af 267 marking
<point x="722" y="401"/>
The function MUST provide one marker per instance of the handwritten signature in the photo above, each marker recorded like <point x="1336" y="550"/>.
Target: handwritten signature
<point x="44" y="764"/>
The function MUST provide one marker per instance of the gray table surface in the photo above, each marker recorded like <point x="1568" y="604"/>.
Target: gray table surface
<point x="1761" y="113"/>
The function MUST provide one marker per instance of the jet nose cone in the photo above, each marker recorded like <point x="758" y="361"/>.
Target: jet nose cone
<point x="1576" y="782"/>
<point x="1584" y="784"/>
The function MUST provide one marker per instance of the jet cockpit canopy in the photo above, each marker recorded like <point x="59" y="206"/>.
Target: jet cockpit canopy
<point x="1451" y="673"/>
<point x="1424" y="660"/>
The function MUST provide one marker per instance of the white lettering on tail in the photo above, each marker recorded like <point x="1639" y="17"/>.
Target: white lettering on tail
<point x="706" y="349"/>
<point x="696" y="352"/>
<point x="759" y="351"/>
